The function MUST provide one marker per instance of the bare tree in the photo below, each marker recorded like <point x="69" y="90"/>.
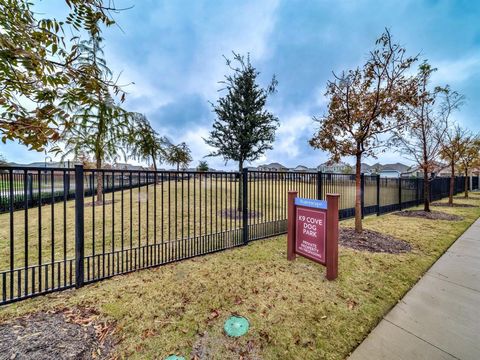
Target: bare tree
<point x="422" y="140"/>
<point x="365" y="104"/>
<point x="452" y="151"/>
<point x="469" y="156"/>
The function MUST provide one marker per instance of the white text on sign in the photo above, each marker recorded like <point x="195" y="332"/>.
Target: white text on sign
<point x="310" y="225"/>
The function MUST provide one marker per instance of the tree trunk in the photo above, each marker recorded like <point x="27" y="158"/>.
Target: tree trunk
<point x="154" y="162"/>
<point x="240" y="187"/>
<point x="466" y="184"/>
<point x="99" y="181"/>
<point x="358" y="195"/>
<point x="426" y="191"/>
<point x="452" y="184"/>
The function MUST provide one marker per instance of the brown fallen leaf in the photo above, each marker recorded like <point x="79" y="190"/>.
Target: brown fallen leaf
<point x="351" y="304"/>
<point x="214" y="314"/>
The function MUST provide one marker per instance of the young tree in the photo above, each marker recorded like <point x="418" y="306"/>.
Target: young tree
<point x="144" y="142"/>
<point x="202" y="166"/>
<point x="37" y="68"/>
<point x="364" y="105"/>
<point x="429" y="117"/>
<point x="453" y="148"/>
<point x="469" y="156"/>
<point x="243" y="129"/>
<point x="178" y="155"/>
<point x="3" y="161"/>
<point x="347" y="170"/>
<point x="102" y="127"/>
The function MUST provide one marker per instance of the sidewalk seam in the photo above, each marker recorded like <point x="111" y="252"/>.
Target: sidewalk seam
<point x="452" y="282"/>
<point x="418" y="337"/>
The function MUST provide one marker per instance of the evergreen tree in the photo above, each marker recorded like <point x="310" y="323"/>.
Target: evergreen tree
<point x="243" y="129"/>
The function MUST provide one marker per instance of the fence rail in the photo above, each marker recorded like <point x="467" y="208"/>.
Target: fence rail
<point x="55" y="233"/>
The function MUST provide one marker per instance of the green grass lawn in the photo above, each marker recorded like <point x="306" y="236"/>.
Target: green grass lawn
<point x="294" y="312"/>
<point x="162" y="213"/>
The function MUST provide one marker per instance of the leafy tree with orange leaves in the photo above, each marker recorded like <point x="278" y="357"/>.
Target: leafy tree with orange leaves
<point x="364" y="105"/>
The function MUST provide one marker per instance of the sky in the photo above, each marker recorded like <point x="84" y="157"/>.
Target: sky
<point x="172" y="53"/>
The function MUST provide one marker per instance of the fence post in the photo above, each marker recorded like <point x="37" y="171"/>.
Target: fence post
<point x="245" y="205"/>
<point x="378" y="194"/>
<point x="332" y="236"/>
<point x="400" y="192"/>
<point x="65" y="185"/>
<point x="417" y="191"/>
<point x="30" y="188"/>
<point x="291" y="225"/>
<point x="90" y="178"/>
<point x="68" y="183"/>
<point x="79" y="226"/>
<point x="362" y="193"/>
<point x="319" y="185"/>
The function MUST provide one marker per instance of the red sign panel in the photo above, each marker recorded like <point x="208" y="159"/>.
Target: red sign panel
<point x="311" y="227"/>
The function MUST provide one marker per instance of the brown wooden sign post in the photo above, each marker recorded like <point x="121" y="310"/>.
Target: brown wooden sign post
<point x="313" y="230"/>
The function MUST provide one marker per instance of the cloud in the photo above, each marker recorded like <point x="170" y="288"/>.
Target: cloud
<point x="291" y="130"/>
<point x="457" y="70"/>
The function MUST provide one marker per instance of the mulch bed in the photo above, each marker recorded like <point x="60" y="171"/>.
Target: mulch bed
<point x="236" y="214"/>
<point x="432" y="215"/>
<point x="453" y="205"/>
<point x="372" y="241"/>
<point x="63" y="334"/>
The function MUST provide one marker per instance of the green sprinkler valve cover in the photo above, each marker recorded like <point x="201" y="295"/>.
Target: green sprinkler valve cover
<point x="236" y="326"/>
<point x="174" y="357"/>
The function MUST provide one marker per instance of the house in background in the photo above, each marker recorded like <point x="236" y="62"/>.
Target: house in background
<point x="334" y="167"/>
<point x="272" y="167"/>
<point x="439" y="169"/>
<point x="302" y="168"/>
<point x="120" y="166"/>
<point x="366" y="169"/>
<point x="390" y="173"/>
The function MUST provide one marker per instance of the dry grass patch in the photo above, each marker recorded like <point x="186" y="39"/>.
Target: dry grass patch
<point x="293" y="311"/>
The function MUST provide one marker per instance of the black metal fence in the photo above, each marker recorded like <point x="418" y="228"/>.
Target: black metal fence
<point x="57" y="233"/>
<point x="37" y="186"/>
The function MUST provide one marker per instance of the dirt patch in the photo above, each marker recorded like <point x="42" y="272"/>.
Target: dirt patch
<point x="64" y="334"/>
<point x="237" y="214"/>
<point x="98" y="203"/>
<point x="372" y="241"/>
<point x="208" y="347"/>
<point x="453" y="205"/>
<point x="432" y="215"/>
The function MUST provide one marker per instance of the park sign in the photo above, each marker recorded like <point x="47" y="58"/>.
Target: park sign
<point x="313" y="230"/>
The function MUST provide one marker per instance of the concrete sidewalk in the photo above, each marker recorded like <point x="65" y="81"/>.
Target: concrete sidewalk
<point x="439" y="318"/>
